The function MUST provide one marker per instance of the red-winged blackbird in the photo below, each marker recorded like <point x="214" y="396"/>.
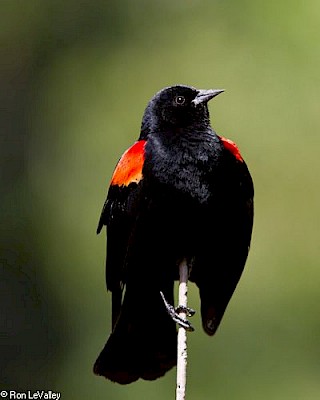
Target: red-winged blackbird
<point x="180" y="192"/>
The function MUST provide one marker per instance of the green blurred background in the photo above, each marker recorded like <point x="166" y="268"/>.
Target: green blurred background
<point x="75" y="78"/>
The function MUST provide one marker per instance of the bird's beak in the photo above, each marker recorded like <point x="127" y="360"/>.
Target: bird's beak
<point x="204" y="96"/>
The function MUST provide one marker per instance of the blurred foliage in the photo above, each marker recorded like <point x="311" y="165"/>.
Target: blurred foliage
<point x="75" y="78"/>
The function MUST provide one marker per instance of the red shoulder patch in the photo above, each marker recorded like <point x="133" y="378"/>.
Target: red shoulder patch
<point x="232" y="147"/>
<point x="129" y="167"/>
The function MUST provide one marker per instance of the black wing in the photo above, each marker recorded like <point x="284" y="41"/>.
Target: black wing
<point x="118" y="214"/>
<point x="235" y="221"/>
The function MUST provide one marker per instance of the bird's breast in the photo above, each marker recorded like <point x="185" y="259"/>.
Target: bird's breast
<point x="186" y="167"/>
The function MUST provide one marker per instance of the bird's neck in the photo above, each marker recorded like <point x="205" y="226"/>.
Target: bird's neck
<point x="189" y="135"/>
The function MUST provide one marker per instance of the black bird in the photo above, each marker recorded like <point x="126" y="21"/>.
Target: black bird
<point x="179" y="192"/>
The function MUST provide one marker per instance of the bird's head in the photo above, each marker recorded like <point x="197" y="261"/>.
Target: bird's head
<point x="178" y="107"/>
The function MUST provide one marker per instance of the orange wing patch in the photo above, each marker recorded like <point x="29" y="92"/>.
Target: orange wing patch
<point x="232" y="147"/>
<point x="129" y="167"/>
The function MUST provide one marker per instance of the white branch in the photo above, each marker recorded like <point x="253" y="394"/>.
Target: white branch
<point x="182" y="334"/>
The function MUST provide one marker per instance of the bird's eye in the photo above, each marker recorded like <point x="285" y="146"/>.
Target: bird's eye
<point x="180" y="100"/>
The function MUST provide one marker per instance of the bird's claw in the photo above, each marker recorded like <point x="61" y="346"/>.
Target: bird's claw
<point x="187" y="310"/>
<point x="184" y="323"/>
<point x="174" y="314"/>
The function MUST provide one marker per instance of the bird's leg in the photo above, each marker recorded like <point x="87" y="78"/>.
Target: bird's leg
<point x="174" y="314"/>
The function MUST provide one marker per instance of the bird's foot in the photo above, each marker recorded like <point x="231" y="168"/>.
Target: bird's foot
<point x="174" y="314"/>
<point x="187" y="310"/>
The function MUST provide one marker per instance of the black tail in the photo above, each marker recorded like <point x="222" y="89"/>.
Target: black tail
<point x="143" y="343"/>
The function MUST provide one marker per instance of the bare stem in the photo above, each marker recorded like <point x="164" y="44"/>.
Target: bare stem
<point x="182" y="334"/>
